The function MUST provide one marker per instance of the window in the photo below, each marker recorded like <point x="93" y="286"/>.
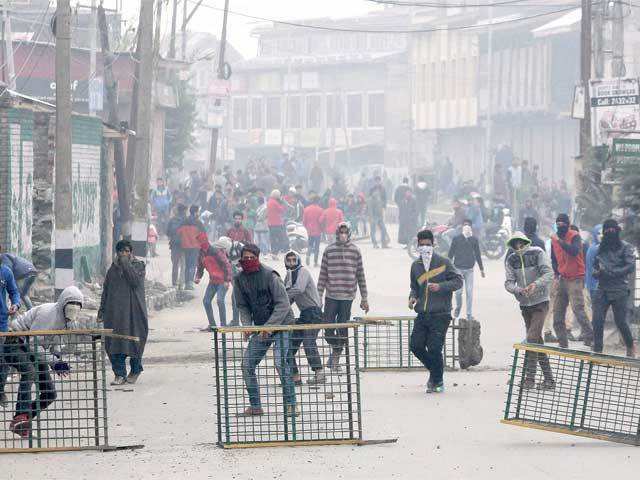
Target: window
<point x="376" y="110"/>
<point x="274" y="112"/>
<point x="334" y="110"/>
<point x="256" y="113"/>
<point x="354" y="110"/>
<point x="294" y="111"/>
<point x="240" y="113"/>
<point x="313" y="111"/>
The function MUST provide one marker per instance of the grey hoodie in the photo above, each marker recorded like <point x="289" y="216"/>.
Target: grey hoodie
<point x="304" y="291"/>
<point x="531" y="265"/>
<point x="49" y="316"/>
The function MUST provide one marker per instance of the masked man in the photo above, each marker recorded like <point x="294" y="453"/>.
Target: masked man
<point x="433" y="281"/>
<point x="614" y="262"/>
<point x="35" y="364"/>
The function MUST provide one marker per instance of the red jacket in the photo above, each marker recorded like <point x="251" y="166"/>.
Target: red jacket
<point x="275" y="212"/>
<point x="331" y="217"/>
<point x="569" y="267"/>
<point x="215" y="261"/>
<point x="240" y="234"/>
<point x="311" y="220"/>
<point x="188" y="233"/>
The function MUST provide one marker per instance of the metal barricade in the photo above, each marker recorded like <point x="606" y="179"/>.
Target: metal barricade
<point x="590" y="395"/>
<point x="258" y="403"/>
<point x="385" y="344"/>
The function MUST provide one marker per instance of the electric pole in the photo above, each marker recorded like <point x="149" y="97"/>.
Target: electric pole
<point x="174" y="19"/>
<point x="617" y="41"/>
<point x="92" y="57"/>
<point x="585" y="75"/>
<point x="63" y="166"/>
<point x="488" y="164"/>
<point x="111" y="89"/>
<point x="142" y="126"/>
<point x="10" y="73"/>
<point x="215" y="132"/>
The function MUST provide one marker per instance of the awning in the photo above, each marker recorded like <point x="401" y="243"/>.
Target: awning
<point x="564" y="24"/>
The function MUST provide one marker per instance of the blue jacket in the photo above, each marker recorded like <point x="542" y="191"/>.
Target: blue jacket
<point x="590" y="282"/>
<point x="20" y="267"/>
<point x="7" y="284"/>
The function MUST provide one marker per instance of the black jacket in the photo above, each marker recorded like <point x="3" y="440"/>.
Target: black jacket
<point x="465" y="252"/>
<point x="612" y="267"/>
<point x="442" y="272"/>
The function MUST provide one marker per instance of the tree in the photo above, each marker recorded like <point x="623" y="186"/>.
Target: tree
<point x="595" y="202"/>
<point x="180" y="124"/>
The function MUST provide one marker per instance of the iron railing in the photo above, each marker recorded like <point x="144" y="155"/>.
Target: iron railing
<point x="574" y="392"/>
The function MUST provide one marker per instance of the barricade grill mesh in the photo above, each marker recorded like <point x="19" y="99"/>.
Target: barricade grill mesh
<point x="323" y="406"/>
<point x="54" y="391"/>
<point x="584" y="394"/>
<point x="384" y="344"/>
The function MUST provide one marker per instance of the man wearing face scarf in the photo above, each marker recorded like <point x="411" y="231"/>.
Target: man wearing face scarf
<point x="262" y="300"/>
<point x="528" y="278"/>
<point x="465" y="253"/>
<point x="613" y="264"/>
<point x="303" y="292"/>
<point x="35" y="366"/>
<point x="341" y="274"/>
<point x="567" y="260"/>
<point x="433" y="281"/>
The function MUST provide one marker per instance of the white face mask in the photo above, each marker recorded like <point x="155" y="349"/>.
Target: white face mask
<point x="71" y="312"/>
<point x="426" y="252"/>
<point x="467" y="231"/>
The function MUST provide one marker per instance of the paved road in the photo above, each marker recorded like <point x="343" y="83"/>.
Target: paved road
<point x="453" y="436"/>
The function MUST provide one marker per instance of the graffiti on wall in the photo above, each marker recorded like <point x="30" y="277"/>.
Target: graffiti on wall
<point x="21" y="188"/>
<point x="86" y="195"/>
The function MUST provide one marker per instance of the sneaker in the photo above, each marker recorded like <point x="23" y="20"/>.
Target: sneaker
<point x="297" y="380"/>
<point x="252" y="412"/>
<point x="570" y="336"/>
<point x="21" y="425"/>
<point x="292" y="410"/>
<point x="320" y="378"/>
<point x="435" y="387"/>
<point x="429" y="386"/>
<point x="549" y="337"/>
<point x="119" y="381"/>
<point x="132" y="378"/>
<point x="547" y="384"/>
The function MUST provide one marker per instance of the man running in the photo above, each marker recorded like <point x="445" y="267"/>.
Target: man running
<point x="433" y="281"/>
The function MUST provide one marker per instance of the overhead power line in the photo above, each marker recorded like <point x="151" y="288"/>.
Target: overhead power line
<point x="376" y="30"/>
<point x="505" y="3"/>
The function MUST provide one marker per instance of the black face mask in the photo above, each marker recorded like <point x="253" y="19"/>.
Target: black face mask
<point x="562" y="231"/>
<point x="610" y="241"/>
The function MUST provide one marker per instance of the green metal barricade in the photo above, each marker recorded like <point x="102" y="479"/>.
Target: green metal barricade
<point x="384" y="344"/>
<point x="574" y="392"/>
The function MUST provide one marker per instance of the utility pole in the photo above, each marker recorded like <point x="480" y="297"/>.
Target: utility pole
<point x="174" y="21"/>
<point x="617" y="41"/>
<point x="585" y="75"/>
<point x="111" y="88"/>
<point x="63" y="166"/>
<point x="10" y="71"/>
<point x="186" y="17"/>
<point x="215" y="132"/>
<point x="488" y="164"/>
<point x="142" y="126"/>
<point x="92" y="55"/>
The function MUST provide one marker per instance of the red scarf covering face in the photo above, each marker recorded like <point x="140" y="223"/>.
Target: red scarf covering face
<point x="250" y="265"/>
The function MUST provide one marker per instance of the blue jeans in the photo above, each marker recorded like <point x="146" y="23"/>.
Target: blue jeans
<point x="384" y="236"/>
<point x="253" y="355"/>
<point x="190" y="264"/>
<point x="119" y="366"/>
<point x="262" y="240"/>
<point x="467" y="274"/>
<point x="313" y="248"/>
<point x="211" y="291"/>
<point x="24" y="285"/>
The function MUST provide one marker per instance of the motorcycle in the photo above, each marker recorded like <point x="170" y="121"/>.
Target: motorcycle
<point x="441" y="241"/>
<point x="298" y="237"/>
